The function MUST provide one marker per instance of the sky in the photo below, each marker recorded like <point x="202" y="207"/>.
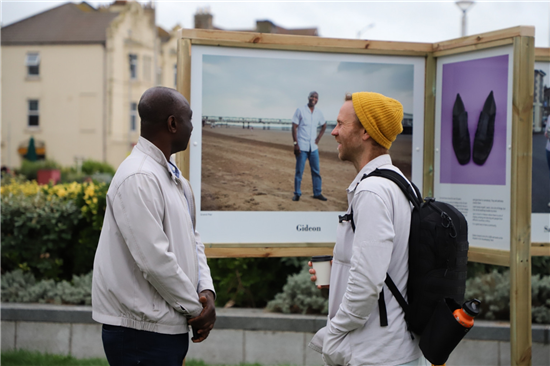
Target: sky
<point x="405" y="20"/>
<point x="273" y="87"/>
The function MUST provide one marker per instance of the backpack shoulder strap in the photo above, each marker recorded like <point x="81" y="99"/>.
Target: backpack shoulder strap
<point x="409" y="189"/>
<point x="415" y="197"/>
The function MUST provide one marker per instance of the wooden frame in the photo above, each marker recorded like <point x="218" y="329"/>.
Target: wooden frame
<point x="522" y="40"/>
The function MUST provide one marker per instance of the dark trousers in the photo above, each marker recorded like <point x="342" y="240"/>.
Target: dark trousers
<point x="125" y="346"/>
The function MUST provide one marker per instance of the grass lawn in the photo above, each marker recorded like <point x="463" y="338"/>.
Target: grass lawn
<point x="27" y="358"/>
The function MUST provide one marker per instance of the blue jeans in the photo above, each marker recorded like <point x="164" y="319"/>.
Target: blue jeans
<point x="125" y="346"/>
<point x="313" y="157"/>
<point x="548" y="158"/>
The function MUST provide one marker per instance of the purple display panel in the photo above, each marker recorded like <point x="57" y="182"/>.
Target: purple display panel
<point x="474" y="80"/>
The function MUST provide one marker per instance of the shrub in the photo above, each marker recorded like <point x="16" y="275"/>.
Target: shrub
<point x="52" y="231"/>
<point x="90" y="167"/>
<point x="250" y="282"/>
<point x="19" y="286"/>
<point x="493" y="289"/>
<point x="30" y="168"/>
<point x="299" y="295"/>
<point x="36" y="232"/>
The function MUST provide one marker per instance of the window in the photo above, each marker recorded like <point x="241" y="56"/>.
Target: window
<point x="133" y="66"/>
<point x="33" y="64"/>
<point x="175" y="75"/>
<point x="33" y="120"/>
<point x="133" y="116"/>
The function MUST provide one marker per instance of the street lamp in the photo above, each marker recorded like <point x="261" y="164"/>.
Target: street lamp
<point x="371" y="25"/>
<point x="464" y="5"/>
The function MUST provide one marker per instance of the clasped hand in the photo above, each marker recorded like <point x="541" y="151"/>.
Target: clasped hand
<point x="204" y="322"/>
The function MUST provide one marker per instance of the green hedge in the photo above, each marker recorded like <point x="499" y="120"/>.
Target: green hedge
<point x="51" y="231"/>
<point x="250" y="282"/>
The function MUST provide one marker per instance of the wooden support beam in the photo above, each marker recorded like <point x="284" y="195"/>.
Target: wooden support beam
<point x="184" y="87"/>
<point x="540" y="249"/>
<point x="474" y="47"/>
<point x="266" y="252"/>
<point x="520" y="207"/>
<point x="303" y="43"/>
<point x="542" y="54"/>
<point x="478" y="39"/>
<point x="489" y="256"/>
<point x="429" y="126"/>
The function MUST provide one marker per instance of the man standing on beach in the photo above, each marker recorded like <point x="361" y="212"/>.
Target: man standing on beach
<point x="376" y="245"/>
<point x="305" y="121"/>
<point x="151" y="279"/>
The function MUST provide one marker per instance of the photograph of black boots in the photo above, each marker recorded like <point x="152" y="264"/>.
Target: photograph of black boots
<point x="461" y="134"/>
<point x="485" y="133"/>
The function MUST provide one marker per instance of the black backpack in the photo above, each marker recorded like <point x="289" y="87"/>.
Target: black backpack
<point x="438" y="255"/>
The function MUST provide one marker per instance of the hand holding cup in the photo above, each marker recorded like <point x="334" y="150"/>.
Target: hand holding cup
<point x="320" y="270"/>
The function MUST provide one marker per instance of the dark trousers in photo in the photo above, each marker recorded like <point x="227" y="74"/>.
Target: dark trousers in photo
<point x="125" y="346"/>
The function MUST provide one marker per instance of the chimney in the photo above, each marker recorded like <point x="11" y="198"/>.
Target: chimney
<point x="203" y="19"/>
<point x="265" y="26"/>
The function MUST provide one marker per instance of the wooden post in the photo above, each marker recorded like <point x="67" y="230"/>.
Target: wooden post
<point x="520" y="230"/>
<point x="429" y="126"/>
<point x="184" y="87"/>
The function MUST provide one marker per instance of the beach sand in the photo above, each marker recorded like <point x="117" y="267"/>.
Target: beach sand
<point x="253" y="170"/>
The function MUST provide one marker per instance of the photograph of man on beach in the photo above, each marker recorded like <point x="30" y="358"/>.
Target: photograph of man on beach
<point x="305" y="122"/>
<point x="248" y="151"/>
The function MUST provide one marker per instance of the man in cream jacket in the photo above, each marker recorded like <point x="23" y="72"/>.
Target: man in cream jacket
<point x="366" y="127"/>
<point x="151" y="280"/>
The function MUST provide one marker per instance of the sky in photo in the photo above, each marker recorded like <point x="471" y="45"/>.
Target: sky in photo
<point x="235" y="86"/>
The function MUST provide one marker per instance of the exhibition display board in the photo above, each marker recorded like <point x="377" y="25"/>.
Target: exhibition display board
<point x="468" y="141"/>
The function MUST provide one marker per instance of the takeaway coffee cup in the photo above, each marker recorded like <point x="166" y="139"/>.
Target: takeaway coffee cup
<point x="321" y="265"/>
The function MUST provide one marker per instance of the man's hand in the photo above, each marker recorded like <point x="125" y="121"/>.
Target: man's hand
<point x="313" y="276"/>
<point x="203" y="324"/>
<point x="320" y="134"/>
<point x="296" y="150"/>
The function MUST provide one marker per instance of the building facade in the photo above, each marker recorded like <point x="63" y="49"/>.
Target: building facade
<point x="72" y="77"/>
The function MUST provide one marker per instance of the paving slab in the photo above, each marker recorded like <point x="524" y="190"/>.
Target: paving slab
<point x="504" y="353"/>
<point x="312" y="358"/>
<point x="274" y="348"/>
<point x="86" y="341"/>
<point x="43" y="337"/>
<point x="541" y="354"/>
<point x="475" y="353"/>
<point x="8" y="335"/>
<point x="223" y="346"/>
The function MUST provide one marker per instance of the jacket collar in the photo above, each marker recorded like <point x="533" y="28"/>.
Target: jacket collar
<point x="149" y="149"/>
<point x="375" y="163"/>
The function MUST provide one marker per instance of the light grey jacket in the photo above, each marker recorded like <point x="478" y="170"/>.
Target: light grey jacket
<point x="150" y="264"/>
<point x="353" y="335"/>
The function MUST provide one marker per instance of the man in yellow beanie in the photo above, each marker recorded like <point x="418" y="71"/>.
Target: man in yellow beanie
<point x="371" y="240"/>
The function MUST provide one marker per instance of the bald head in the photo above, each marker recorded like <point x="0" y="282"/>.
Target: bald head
<point x="159" y="103"/>
<point x="165" y="119"/>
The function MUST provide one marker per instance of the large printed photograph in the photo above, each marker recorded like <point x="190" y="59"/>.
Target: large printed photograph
<point x="473" y="121"/>
<point x="249" y="107"/>
<point x="541" y="140"/>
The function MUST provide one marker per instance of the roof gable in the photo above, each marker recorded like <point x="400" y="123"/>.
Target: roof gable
<point x="65" y="24"/>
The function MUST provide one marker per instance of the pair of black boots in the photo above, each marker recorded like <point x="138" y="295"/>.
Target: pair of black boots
<point x="483" y="140"/>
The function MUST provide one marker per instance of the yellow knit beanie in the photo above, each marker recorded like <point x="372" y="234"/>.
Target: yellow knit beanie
<point x="380" y="116"/>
